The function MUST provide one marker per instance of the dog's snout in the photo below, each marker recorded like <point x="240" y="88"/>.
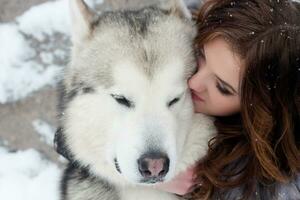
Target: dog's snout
<point x="153" y="165"/>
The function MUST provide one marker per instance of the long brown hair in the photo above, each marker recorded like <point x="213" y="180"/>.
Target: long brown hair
<point x="261" y="144"/>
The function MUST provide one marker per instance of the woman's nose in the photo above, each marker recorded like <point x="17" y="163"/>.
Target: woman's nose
<point x="197" y="82"/>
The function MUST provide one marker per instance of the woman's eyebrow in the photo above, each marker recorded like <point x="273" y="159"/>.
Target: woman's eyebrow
<point x="227" y="84"/>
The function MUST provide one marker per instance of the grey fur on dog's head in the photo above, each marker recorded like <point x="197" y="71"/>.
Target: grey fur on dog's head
<point x="96" y="37"/>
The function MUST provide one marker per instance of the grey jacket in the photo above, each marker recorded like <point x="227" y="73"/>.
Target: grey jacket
<point x="290" y="191"/>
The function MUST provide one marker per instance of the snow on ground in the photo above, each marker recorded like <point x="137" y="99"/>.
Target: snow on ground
<point x="45" y="130"/>
<point x="25" y="175"/>
<point x="34" y="49"/>
<point x="45" y="19"/>
<point x="26" y="53"/>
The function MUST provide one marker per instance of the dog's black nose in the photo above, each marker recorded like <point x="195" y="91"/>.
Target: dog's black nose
<point x="153" y="165"/>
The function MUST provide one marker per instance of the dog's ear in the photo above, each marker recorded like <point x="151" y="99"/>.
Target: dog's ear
<point x="177" y="7"/>
<point x="82" y="21"/>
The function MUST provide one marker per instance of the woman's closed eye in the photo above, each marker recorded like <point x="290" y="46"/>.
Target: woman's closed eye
<point x="223" y="90"/>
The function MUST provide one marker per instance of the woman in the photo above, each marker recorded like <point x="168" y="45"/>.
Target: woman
<point x="248" y="76"/>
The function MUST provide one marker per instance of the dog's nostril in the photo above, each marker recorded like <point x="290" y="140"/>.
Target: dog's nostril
<point x="145" y="173"/>
<point x="153" y="165"/>
<point x="162" y="173"/>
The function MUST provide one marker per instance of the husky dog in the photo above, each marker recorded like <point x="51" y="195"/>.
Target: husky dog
<point x="128" y="120"/>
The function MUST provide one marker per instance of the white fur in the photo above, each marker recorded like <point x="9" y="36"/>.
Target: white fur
<point x="125" y="131"/>
<point x="98" y="129"/>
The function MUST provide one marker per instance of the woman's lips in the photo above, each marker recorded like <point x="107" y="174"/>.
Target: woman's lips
<point x="196" y="97"/>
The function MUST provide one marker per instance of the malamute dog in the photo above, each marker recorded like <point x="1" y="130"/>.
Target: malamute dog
<point x="128" y="120"/>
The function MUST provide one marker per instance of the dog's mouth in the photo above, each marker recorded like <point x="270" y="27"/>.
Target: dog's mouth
<point x="117" y="166"/>
<point x="152" y="180"/>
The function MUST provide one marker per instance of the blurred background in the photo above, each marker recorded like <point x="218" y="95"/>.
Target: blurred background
<point x="34" y="48"/>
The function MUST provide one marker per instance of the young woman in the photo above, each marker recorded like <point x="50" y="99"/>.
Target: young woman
<point x="248" y="77"/>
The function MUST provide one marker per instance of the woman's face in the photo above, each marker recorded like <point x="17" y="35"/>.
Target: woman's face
<point x="215" y="87"/>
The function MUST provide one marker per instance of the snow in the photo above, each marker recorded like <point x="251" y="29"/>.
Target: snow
<point x="46" y="19"/>
<point x="18" y="74"/>
<point x="33" y="52"/>
<point x="25" y="175"/>
<point x="45" y="131"/>
<point x="46" y="57"/>
<point x="21" y="73"/>
<point x="34" y="49"/>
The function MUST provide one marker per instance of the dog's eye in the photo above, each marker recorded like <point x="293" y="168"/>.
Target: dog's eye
<point x="175" y="100"/>
<point x="122" y="100"/>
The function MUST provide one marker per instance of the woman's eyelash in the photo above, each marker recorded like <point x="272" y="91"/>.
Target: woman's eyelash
<point x="223" y="90"/>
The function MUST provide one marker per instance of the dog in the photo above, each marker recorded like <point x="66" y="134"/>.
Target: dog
<point x="127" y="120"/>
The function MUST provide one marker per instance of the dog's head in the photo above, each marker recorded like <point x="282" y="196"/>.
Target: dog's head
<point x="127" y="107"/>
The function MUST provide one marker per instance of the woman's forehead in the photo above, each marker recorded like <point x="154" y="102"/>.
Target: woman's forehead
<point x="224" y="62"/>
